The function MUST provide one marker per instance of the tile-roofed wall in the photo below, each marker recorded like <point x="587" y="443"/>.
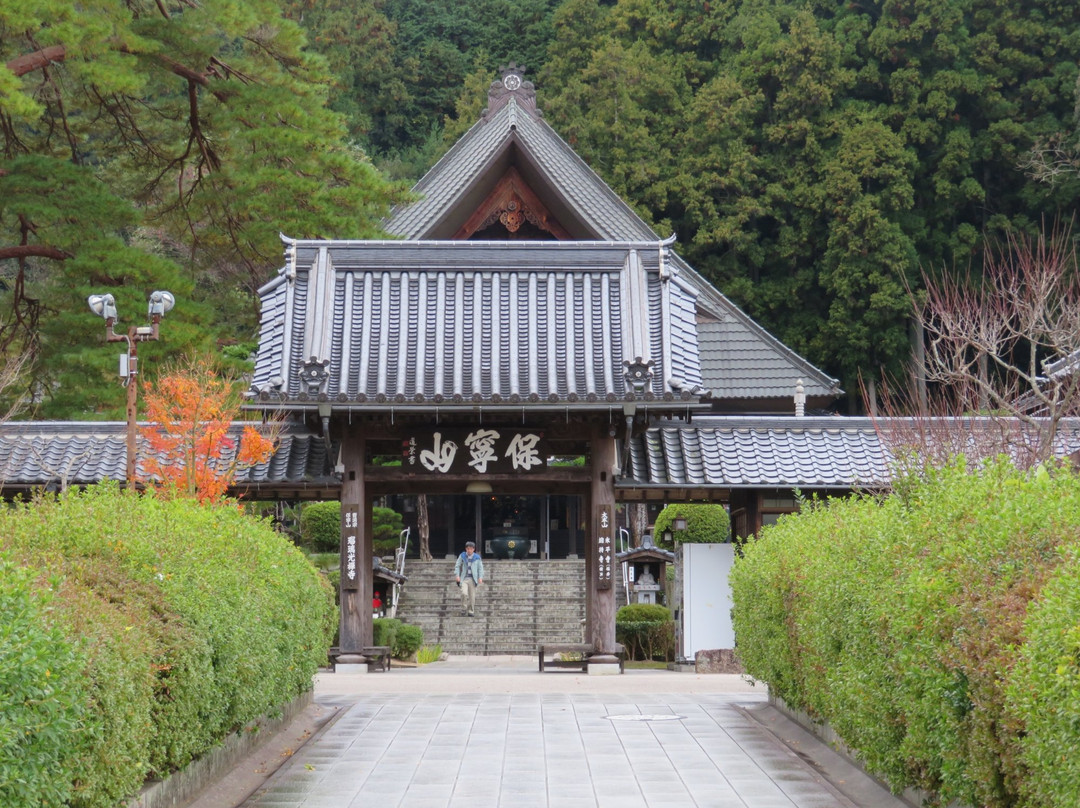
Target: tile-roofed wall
<point x="36" y="454"/>
<point x="465" y="322"/>
<point x="760" y="453"/>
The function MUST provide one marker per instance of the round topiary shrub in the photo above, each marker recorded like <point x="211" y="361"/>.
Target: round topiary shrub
<point x="320" y="526"/>
<point x="705" y="524"/>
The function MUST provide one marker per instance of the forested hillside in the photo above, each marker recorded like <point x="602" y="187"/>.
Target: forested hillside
<point x="812" y="157"/>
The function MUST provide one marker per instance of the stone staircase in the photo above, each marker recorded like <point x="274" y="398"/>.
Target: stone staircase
<point x="522" y="604"/>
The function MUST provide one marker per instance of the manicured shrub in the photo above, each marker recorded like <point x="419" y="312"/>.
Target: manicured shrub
<point x="934" y="629"/>
<point x="407" y="641"/>
<point x="402" y="639"/>
<point x="643" y="613"/>
<point x="646" y="630"/>
<point x="705" y="524"/>
<point x="1043" y="694"/>
<point x="384" y="630"/>
<point x="191" y="622"/>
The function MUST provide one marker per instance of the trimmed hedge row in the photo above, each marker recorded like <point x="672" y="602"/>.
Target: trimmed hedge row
<point x="186" y="622"/>
<point x="937" y="630"/>
<point x="647" y="631"/>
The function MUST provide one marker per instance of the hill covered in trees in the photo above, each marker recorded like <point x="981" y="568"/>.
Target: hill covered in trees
<point x="812" y="157"/>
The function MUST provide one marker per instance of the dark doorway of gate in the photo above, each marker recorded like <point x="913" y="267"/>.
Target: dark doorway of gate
<point x="551" y="525"/>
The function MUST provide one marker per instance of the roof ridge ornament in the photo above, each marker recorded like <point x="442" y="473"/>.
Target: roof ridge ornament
<point x="314" y="375"/>
<point x="638" y="374"/>
<point x="512" y="84"/>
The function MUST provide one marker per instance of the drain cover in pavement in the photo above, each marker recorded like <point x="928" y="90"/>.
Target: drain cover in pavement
<point x="641" y="717"/>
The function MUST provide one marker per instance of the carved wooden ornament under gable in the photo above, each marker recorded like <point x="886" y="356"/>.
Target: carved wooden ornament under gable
<point x="512" y="203"/>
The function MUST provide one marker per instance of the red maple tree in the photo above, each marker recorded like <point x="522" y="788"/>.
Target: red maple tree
<point x="193" y="449"/>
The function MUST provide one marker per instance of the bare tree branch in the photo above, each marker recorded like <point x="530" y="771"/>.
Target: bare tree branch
<point x="990" y="346"/>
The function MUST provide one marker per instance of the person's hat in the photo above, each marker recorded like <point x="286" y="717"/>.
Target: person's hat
<point x="470" y="544"/>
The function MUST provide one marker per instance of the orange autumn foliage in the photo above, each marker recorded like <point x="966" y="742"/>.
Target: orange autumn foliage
<point x="192" y="446"/>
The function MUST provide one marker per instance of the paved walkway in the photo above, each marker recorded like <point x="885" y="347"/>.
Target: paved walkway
<point x="491" y="731"/>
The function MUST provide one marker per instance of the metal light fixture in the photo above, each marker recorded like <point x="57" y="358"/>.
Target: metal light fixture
<point x="103" y="306"/>
<point x="161" y="303"/>
<point x="478" y="488"/>
<point x="679" y="523"/>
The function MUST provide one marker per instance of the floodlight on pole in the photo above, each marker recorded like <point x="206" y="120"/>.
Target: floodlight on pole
<point x="105" y="306"/>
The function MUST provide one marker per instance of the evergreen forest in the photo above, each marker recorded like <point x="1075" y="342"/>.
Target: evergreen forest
<point x="814" y="157"/>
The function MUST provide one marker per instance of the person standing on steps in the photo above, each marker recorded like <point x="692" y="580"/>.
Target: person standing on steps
<point x="469" y="571"/>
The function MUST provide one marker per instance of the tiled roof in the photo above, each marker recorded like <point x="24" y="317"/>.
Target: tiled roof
<point x="37" y="454"/>
<point x="738" y="358"/>
<point x="741" y="360"/>
<point x="711" y="452"/>
<point x="500" y="323"/>
<point x="469" y="161"/>
<point x="757" y="452"/>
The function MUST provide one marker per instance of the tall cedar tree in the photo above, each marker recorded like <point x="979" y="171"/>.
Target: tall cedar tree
<point x="143" y="143"/>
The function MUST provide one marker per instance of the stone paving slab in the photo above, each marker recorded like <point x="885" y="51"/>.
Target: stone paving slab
<point x="484" y="732"/>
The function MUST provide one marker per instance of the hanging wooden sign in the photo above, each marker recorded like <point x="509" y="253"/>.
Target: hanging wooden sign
<point x="478" y="451"/>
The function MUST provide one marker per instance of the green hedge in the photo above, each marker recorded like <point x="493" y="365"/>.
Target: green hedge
<point x="647" y="631"/>
<point x="42" y="694"/>
<point x="188" y="622"/>
<point x="935" y="629"/>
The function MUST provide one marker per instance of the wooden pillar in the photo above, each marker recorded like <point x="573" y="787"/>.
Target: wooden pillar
<point x="356" y="570"/>
<point x="600" y="547"/>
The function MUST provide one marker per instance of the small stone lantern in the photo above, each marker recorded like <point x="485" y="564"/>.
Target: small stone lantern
<point x="646" y="571"/>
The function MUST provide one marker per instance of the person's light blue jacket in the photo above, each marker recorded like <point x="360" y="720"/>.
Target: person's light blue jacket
<point x="476" y="568"/>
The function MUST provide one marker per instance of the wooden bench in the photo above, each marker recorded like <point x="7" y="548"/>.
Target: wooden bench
<point x="378" y="657"/>
<point x="581" y="650"/>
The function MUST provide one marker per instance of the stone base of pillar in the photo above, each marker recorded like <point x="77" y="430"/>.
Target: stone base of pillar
<point x="604" y="665"/>
<point x="350" y="667"/>
<point x="351" y="663"/>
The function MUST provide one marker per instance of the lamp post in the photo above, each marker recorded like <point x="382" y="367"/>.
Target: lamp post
<point x="105" y="306"/>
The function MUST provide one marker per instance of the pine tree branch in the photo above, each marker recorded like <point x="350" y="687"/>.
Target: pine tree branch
<point x="29" y="62"/>
<point x="33" y="251"/>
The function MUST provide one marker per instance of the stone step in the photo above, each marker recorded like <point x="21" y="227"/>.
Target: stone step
<point x="521" y="605"/>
